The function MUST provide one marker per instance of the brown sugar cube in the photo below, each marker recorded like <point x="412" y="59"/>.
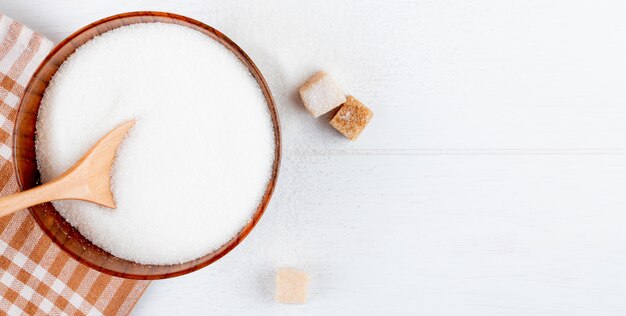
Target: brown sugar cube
<point x="321" y="94"/>
<point x="291" y="286"/>
<point x="352" y="118"/>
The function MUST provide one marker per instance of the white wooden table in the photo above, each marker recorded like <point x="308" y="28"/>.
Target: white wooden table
<point x="491" y="181"/>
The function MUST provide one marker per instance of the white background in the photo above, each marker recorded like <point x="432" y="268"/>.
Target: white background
<point x="491" y="180"/>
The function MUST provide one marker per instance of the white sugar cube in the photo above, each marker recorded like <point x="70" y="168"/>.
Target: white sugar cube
<point x="291" y="286"/>
<point x="321" y="94"/>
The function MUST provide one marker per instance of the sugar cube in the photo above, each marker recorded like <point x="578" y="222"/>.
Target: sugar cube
<point x="352" y="118"/>
<point x="321" y="94"/>
<point x="291" y="286"/>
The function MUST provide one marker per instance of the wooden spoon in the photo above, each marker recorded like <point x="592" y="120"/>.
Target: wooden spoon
<point x="89" y="179"/>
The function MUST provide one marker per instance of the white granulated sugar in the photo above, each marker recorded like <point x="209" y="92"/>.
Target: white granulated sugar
<point x="194" y="167"/>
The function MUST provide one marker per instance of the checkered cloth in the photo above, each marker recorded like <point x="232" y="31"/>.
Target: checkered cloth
<point x="36" y="277"/>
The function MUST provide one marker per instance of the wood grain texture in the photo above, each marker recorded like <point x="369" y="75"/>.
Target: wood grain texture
<point x="52" y="223"/>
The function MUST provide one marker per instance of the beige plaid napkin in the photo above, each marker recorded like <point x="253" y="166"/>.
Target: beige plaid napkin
<point x="36" y="277"/>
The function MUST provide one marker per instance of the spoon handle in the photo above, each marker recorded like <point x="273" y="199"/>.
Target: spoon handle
<point x="21" y="200"/>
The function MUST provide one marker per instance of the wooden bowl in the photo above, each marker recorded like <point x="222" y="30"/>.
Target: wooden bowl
<point x="55" y="226"/>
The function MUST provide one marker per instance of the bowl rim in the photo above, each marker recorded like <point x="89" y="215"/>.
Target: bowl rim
<point x="253" y="69"/>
